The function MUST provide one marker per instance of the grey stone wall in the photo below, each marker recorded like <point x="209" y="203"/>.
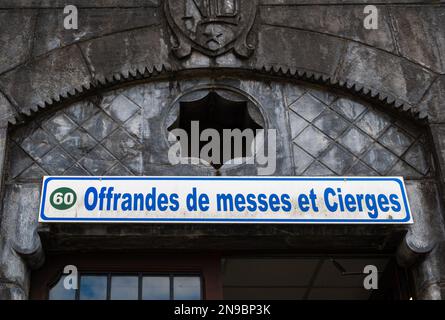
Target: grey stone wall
<point x="401" y="60"/>
<point x="68" y="106"/>
<point x="123" y="132"/>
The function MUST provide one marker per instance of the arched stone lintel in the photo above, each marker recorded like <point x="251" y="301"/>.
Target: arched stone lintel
<point x="291" y="74"/>
<point x="145" y="53"/>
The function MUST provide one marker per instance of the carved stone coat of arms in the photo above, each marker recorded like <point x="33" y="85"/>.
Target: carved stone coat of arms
<point x="212" y="27"/>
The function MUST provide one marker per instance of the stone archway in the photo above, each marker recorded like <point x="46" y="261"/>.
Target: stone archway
<point x="119" y="132"/>
<point x="48" y="68"/>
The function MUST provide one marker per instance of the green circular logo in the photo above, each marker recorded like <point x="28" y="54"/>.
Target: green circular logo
<point x="63" y="198"/>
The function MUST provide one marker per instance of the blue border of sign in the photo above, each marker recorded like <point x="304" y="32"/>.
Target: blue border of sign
<point x="44" y="218"/>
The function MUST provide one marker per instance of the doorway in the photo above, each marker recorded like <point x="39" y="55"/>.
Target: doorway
<point x="312" y="278"/>
<point x="210" y="276"/>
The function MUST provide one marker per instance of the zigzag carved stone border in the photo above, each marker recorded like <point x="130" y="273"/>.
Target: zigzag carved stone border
<point x="283" y="72"/>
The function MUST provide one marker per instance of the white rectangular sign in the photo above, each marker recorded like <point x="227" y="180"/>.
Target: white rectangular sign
<point x="290" y="200"/>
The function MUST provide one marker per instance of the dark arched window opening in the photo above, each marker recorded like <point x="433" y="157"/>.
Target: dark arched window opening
<point x="219" y="113"/>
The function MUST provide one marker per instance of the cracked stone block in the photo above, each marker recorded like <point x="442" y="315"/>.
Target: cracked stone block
<point x="338" y="159"/>
<point x="297" y="124"/>
<point x="56" y="162"/>
<point x="416" y="32"/>
<point x="313" y="141"/>
<point x="379" y="158"/>
<point x="20" y="161"/>
<point x="82" y="111"/>
<point x="317" y="170"/>
<point x="78" y="143"/>
<point x="302" y="160"/>
<point x="38" y="144"/>
<point x="373" y="123"/>
<point x="348" y="108"/>
<point x="308" y="107"/>
<point x="120" y="144"/>
<point x="416" y="157"/>
<point x="59" y="126"/>
<point x="98" y="161"/>
<point x="331" y="124"/>
<point x="355" y="141"/>
<point x="122" y="108"/>
<point x="396" y="140"/>
<point x="100" y="126"/>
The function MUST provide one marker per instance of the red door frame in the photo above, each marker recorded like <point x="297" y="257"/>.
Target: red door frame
<point x="207" y="265"/>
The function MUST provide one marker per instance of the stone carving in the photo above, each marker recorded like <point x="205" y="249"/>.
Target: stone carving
<point x="212" y="27"/>
<point x="108" y="136"/>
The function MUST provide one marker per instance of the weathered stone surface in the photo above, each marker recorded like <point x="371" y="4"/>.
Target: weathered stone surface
<point x="356" y="141"/>
<point x="7" y="111"/>
<point x="428" y="228"/>
<point x="126" y="133"/>
<point x="339" y="21"/>
<point x="93" y="23"/>
<point x="123" y="132"/>
<point x="11" y="292"/>
<point x="420" y="35"/>
<point x="306" y="2"/>
<point x="282" y="47"/>
<point x="46" y="79"/>
<point x="16" y="37"/>
<point x="21" y="161"/>
<point x="19" y="234"/>
<point x="82" y="139"/>
<point x="438" y="134"/>
<point x="338" y="160"/>
<point x="427" y="277"/>
<point x="148" y="3"/>
<point x="271" y="104"/>
<point x="385" y="73"/>
<point x="340" y="134"/>
<point x="433" y="103"/>
<point x="3" y="150"/>
<point x="178" y="170"/>
<point x="324" y="52"/>
<point x="79" y="3"/>
<point x="126" y="52"/>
